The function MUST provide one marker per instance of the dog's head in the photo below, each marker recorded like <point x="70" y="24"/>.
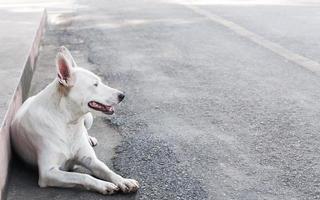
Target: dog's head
<point x="83" y="87"/>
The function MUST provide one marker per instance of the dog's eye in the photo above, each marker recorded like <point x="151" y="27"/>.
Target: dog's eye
<point x="96" y="84"/>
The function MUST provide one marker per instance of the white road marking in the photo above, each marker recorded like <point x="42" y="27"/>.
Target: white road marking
<point x="274" y="47"/>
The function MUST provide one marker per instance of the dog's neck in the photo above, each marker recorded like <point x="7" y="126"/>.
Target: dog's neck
<point x="56" y="96"/>
<point x="71" y="111"/>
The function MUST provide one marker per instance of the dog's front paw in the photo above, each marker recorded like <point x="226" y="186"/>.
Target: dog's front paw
<point x="93" y="141"/>
<point x="127" y="185"/>
<point x="108" y="188"/>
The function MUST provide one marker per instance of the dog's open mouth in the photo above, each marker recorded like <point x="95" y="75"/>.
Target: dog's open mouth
<point x="101" y="107"/>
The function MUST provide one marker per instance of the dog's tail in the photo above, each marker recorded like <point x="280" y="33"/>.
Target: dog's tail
<point x="88" y="120"/>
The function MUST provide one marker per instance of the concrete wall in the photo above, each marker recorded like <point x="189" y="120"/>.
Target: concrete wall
<point x="19" y="95"/>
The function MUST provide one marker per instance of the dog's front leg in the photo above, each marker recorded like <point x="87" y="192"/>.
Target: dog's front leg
<point x="54" y="177"/>
<point x="88" y="159"/>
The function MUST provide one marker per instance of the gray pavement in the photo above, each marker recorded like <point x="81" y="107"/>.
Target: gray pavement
<point x="209" y="114"/>
<point x="292" y="26"/>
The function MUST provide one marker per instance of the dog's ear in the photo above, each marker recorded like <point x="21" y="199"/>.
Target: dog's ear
<point x="64" y="69"/>
<point x="63" y="50"/>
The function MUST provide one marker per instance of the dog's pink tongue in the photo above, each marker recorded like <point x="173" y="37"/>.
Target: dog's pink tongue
<point x="111" y="109"/>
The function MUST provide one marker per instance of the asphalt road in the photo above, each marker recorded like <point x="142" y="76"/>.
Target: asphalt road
<point x="209" y="113"/>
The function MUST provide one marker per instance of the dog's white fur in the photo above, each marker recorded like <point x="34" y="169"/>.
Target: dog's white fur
<point x="50" y="130"/>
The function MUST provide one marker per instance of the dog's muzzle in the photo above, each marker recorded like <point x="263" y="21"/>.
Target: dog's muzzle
<point x="106" y="109"/>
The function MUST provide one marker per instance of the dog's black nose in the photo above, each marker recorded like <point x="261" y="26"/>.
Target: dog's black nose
<point x="121" y="97"/>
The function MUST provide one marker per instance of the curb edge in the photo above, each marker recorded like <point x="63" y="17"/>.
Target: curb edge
<point x="19" y="95"/>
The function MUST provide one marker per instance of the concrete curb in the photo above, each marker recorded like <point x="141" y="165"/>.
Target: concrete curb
<point x="20" y="94"/>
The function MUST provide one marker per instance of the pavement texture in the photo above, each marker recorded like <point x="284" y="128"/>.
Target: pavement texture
<point x="208" y="114"/>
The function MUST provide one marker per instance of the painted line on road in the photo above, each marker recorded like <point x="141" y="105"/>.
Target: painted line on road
<point x="274" y="47"/>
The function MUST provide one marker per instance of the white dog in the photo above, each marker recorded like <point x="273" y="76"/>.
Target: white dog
<point x="49" y="130"/>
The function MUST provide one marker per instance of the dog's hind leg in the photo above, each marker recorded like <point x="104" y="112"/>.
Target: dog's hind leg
<point x="88" y="121"/>
<point x="93" y="141"/>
